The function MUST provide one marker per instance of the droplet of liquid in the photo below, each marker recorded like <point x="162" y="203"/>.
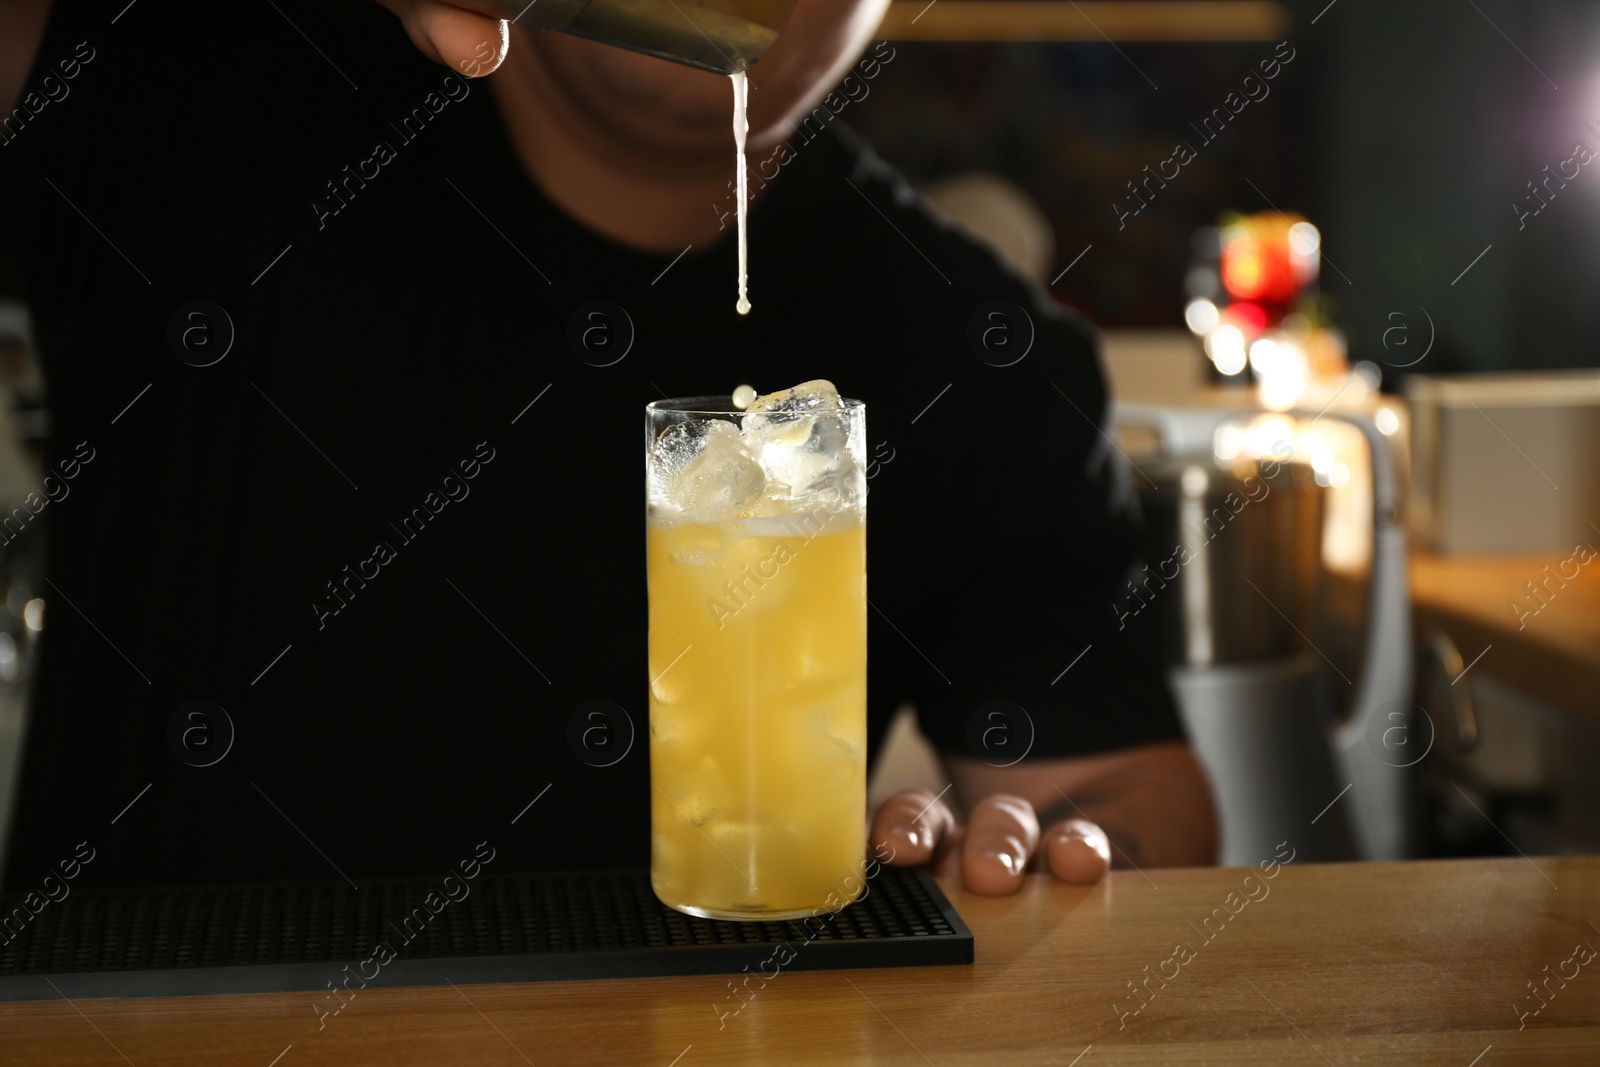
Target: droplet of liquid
<point x="741" y="96"/>
<point x="744" y="396"/>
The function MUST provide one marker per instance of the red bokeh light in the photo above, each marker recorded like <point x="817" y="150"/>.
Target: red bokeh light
<point x="1251" y="319"/>
<point x="1259" y="270"/>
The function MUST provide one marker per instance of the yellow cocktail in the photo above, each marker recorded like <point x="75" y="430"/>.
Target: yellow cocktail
<point x="758" y="666"/>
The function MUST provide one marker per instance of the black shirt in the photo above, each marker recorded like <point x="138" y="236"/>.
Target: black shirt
<point x="391" y="324"/>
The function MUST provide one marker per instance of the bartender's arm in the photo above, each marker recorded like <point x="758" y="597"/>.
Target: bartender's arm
<point x="1147" y="805"/>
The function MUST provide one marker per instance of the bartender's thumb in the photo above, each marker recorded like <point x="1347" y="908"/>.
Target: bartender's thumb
<point x="462" y="40"/>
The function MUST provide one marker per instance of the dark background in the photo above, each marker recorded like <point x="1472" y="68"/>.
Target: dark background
<point x="1405" y="131"/>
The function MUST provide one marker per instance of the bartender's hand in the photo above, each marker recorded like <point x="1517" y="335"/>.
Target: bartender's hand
<point x="1000" y="843"/>
<point x="464" y="41"/>
<point x="1150" y="805"/>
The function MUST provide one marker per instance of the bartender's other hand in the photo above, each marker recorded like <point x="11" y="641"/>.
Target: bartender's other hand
<point x="462" y="40"/>
<point x="999" y="844"/>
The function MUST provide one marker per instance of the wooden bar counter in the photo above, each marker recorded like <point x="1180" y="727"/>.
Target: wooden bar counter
<point x="1545" y="642"/>
<point x="1402" y="964"/>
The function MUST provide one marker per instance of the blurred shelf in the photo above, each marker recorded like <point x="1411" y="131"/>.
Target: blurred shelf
<point x="1553" y="655"/>
<point x="1158" y="367"/>
<point x="1089" y="20"/>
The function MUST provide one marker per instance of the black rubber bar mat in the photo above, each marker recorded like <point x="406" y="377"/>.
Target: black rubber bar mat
<point x="507" y="928"/>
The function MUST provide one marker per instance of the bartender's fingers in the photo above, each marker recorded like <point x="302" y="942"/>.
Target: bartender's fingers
<point x="912" y="825"/>
<point x="462" y="40"/>
<point x="1002" y="833"/>
<point x="1077" y="851"/>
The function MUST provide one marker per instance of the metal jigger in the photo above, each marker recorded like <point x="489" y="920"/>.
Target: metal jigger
<point x="721" y="36"/>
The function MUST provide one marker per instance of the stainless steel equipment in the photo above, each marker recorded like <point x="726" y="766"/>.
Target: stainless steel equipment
<point x="721" y="36"/>
<point x="1268" y="519"/>
<point x="1236" y="597"/>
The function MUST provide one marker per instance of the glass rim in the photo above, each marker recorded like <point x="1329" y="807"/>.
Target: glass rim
<point x="723" y="405"/>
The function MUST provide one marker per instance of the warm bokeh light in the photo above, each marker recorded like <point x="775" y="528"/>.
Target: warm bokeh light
<point x="1264" y="355"/>
<point x="1227" y="442"/>
<point x="1260" y="309"/>
<point x="1305" y="239"/>
<point x="1225" y="346"/>
<point x="1201" y="316"/>
<point x="1263" y="258"/>
<point x="1305" y="251"/>
<point x="1250" y="318"/>
<point x="1242" y="269"/>
<point x="1281" y="370"/>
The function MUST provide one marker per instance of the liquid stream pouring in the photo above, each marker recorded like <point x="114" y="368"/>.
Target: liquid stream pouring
<point x="719" y="36"/>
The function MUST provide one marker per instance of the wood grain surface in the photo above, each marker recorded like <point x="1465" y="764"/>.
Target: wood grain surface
<point x="1403" y="964"/>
